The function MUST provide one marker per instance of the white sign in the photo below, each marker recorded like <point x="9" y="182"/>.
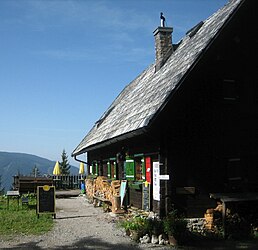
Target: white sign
<point x="164" y="177"/>
<point x="156" y="181"/>
<point x="12" y="193"/>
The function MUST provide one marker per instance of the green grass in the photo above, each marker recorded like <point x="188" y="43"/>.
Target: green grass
<point x="22" y="219"/>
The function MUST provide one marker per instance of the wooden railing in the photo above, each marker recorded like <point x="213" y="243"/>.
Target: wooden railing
<point x="67" y="182"/>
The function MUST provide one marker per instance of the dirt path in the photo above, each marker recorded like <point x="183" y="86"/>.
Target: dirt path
<point x="78" y="225"/>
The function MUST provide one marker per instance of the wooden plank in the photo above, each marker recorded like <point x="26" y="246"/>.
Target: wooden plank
<point x="235" y="197"/>
<point x="101" y="198"/>
<point x="185" y="190"/>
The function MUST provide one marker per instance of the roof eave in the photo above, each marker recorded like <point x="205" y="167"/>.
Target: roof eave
<point x="108" y="142"/>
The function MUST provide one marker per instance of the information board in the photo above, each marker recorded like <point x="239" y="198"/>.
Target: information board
<point x="146" y="196"/>
<point x="46" y="200"/>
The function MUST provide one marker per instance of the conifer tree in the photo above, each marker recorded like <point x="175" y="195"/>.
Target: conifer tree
<point x="64" y="164"/>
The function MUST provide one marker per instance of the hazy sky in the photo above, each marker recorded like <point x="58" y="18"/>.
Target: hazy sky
<point x="62" y="63"/>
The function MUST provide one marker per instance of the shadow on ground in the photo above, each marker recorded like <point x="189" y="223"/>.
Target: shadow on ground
<point x="86" y="243"/>
<point x="96" y="243"/>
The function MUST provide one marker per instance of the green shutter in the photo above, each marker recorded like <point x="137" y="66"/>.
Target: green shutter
<point x="143" y="169"/>
<point x="114" y="170"/>
<point x="129" y="168"/>
<point x="96" y="169"/>
<point x="108" y="169"/>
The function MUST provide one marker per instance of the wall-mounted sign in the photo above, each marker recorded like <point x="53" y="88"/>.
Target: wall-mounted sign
<point x="148" y="169"/>
<point x="156" y="181"/>
<point x="164" y="177"/>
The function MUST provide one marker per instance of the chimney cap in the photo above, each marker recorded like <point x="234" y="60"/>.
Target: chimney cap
<point x="162" y="29"/>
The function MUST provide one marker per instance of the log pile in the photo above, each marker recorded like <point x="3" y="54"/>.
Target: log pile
<point x="209" y="223"/>
<point x="211" y="215"/>
<point x="101" y="187"/>
<point x="89" y="183"/>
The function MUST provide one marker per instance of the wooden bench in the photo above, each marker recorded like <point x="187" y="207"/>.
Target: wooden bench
<point x="98" y="199"/>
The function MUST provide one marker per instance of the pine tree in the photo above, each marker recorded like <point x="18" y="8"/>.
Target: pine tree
<point x="64" y="164"/>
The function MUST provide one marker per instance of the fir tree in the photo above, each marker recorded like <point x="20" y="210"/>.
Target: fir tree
<point x="64" y="164"/>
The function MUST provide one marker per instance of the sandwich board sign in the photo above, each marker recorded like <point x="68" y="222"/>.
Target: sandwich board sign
<point x="46" y="200"/>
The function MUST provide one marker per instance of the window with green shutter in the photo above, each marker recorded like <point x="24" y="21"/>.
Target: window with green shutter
<point x="129" y="167"/>
<point x="114" y="170"/>
<point x="108" y="169"/>
<point x="143" y="169"/>
<point x="96" y="169"/>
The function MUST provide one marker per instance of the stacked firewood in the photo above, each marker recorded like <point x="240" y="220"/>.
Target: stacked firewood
<point x="89" y="187"/>
<point x="100" y="187"/>
<point x="209" y="223"/>
<point x="211" y="215"/>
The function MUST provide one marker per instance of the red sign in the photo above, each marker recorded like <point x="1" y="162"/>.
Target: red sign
<point x="148" y="169"/>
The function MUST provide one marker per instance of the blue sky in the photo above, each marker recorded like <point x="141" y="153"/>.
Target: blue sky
<point x="64" y="61"/>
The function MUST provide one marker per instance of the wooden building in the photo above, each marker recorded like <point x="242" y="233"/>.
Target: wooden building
<point x="188" y="125"/>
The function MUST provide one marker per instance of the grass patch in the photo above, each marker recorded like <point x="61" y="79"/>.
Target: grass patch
<point x="22" y="219"/>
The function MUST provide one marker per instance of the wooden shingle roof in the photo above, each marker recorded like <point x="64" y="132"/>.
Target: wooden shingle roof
<point x="136" y="105"/>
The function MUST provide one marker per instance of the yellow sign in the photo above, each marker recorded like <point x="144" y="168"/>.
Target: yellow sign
<point x="146" y="183"/>
<point x="46" y="188"/>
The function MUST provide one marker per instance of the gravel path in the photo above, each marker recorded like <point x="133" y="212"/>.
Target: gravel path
<point x="79" y="225"/>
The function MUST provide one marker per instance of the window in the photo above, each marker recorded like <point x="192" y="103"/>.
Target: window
<point x="230" y="90"/>
<point x="112" y="169"/>
<point x="234" y="169"/>
<point x="139" y="168"/>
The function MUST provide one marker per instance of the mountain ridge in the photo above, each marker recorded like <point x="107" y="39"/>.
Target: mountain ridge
<point x="14" y="163"/>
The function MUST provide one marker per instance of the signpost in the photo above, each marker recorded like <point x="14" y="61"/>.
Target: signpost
<point x="46" y="200"/>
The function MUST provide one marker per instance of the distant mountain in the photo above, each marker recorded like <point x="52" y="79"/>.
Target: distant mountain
<point x="12" y="164"/>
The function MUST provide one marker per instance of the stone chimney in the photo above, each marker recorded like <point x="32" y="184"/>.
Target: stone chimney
<point x="163" y="45"/>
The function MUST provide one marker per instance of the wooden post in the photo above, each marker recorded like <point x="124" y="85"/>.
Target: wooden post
<point x="224" y="209"/>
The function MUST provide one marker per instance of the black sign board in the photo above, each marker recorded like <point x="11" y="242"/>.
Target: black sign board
<point x="146" y="196"/>
<point x="46" y="200"/>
